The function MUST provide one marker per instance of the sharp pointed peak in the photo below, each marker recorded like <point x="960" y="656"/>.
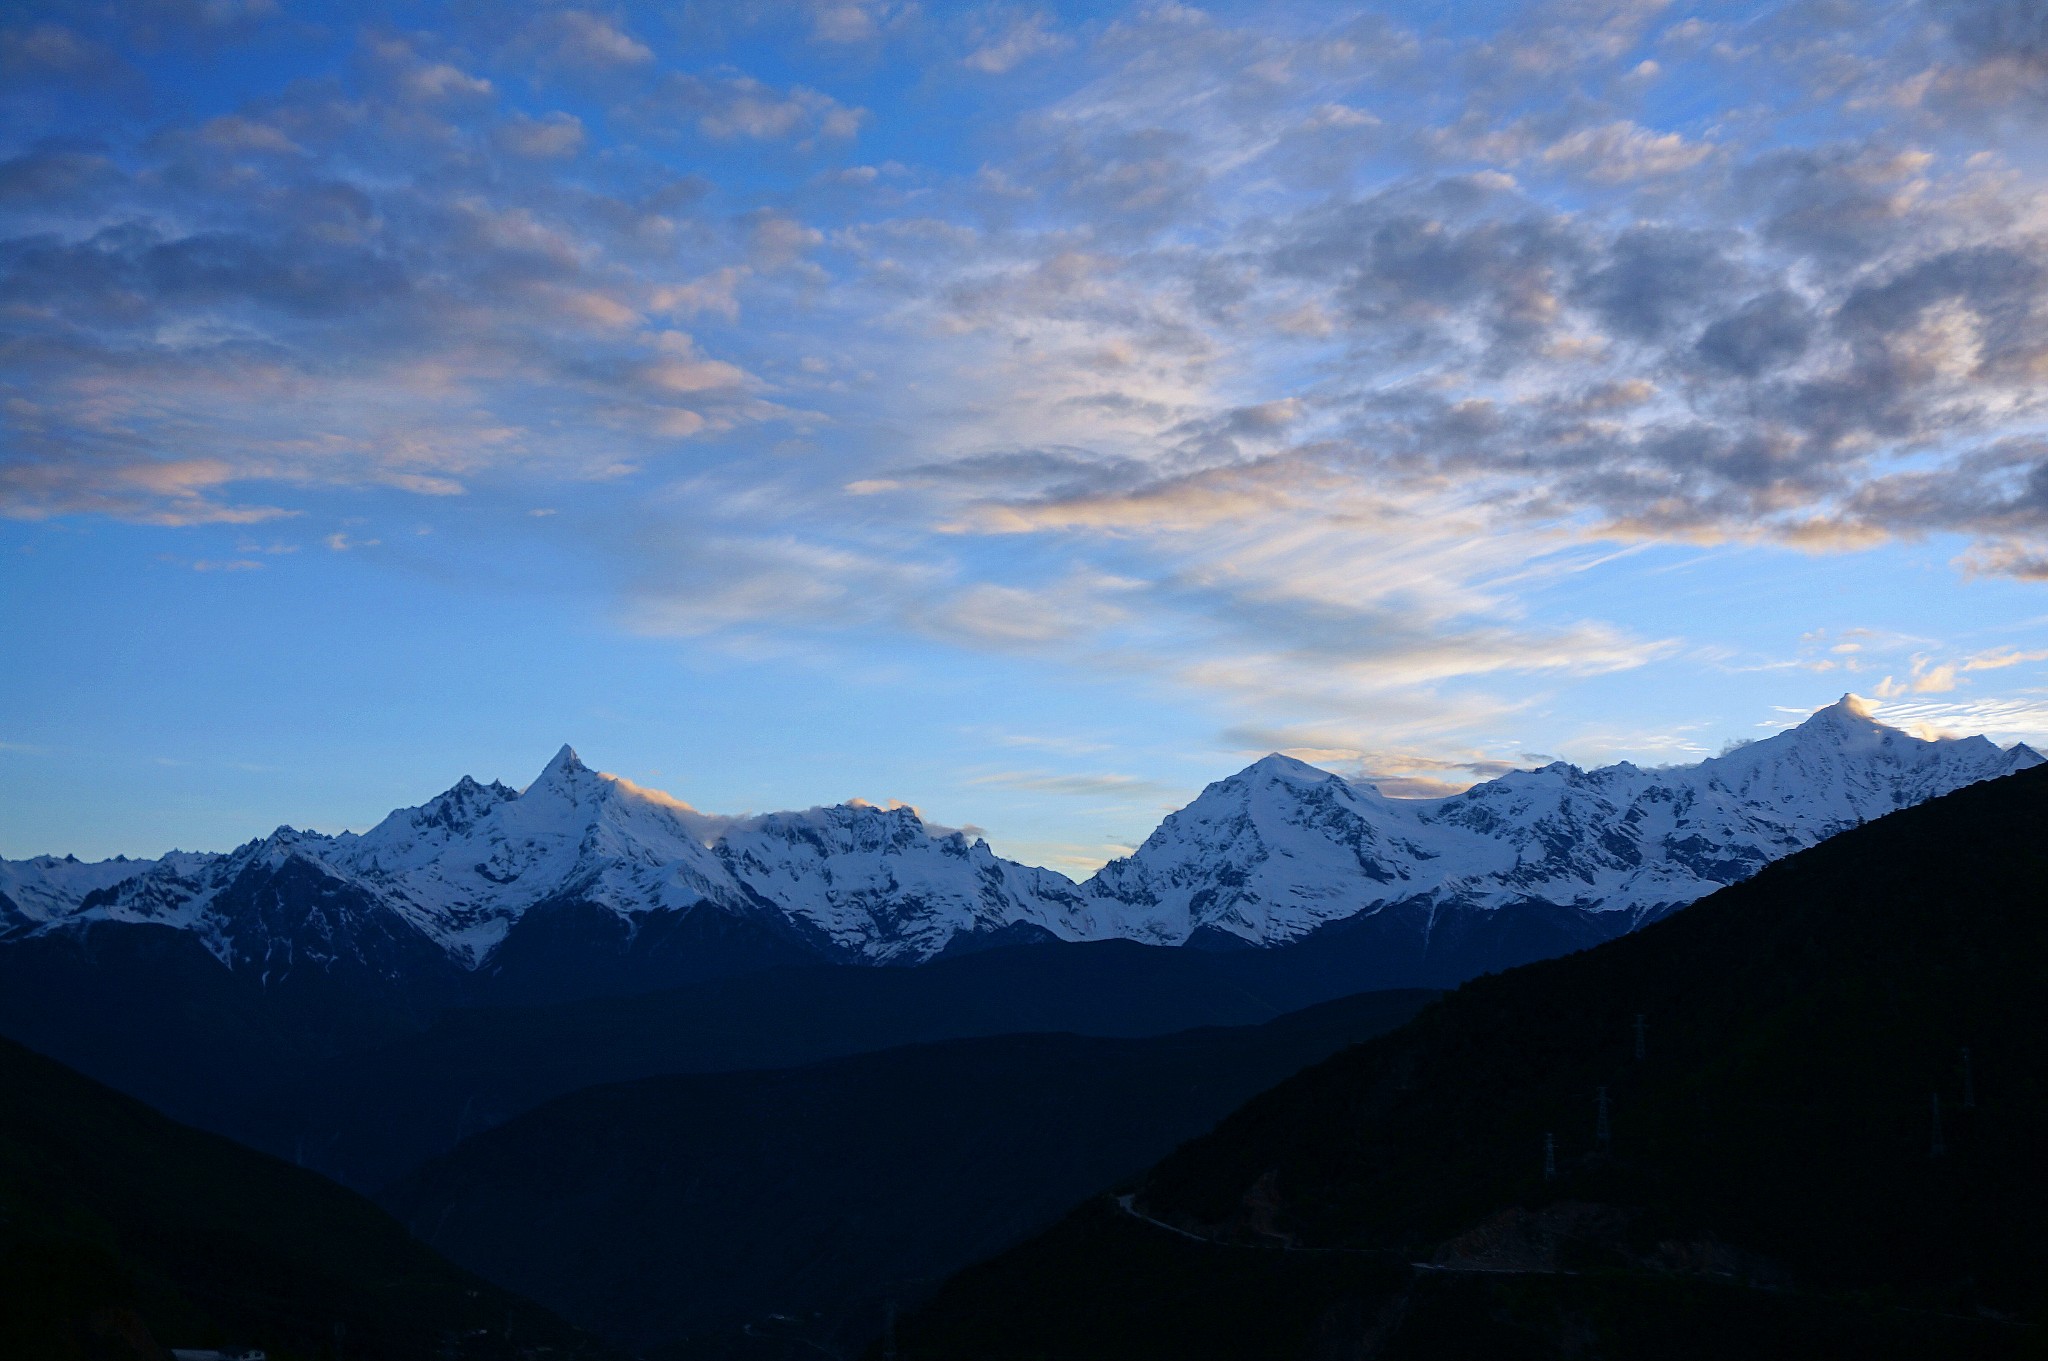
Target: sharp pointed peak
<point x="563" y="768"/>
<point x="1851" y="707"/>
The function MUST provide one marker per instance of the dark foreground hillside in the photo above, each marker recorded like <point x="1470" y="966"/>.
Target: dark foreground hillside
<point x="123" y="1234"/>
<point x="365" y="1086"/>
<point x="1832" y="1146"/>
<point x="800" y="1202"/>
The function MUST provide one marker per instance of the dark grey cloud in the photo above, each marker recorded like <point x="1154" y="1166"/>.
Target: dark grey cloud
<point x="1412" y="263"/>
<point x="53" y="177"/>
<point x="1047" y="473"/>
<point x="1769" y="331"/>
<point x="132" y="273"/>
<point x="1672" y="378"/>
<point x="1654" y="280"/>
<point x="1843" y="205"/>
<point x="1999" y="30"/>
<point x="2001" y="286"/>
<point x="2001" y="489"/>
<point x="49" y="49"/>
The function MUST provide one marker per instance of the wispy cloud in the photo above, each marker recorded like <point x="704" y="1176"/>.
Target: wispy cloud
<point x="1094" y="786"/>
<point x="1284" y="364"/>
<point x="2022" y="718"/>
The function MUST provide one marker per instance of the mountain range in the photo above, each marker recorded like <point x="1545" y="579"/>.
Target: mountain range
<point x="592" y="1042"/>
<point x="585" y="882"/>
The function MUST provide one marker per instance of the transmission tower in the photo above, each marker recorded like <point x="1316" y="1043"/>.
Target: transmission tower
<point x="1936" y="1147"/>
<point x="1969" y="1087"/>
<point x="1602" y="1134"/>
<point x="1550" y="1157"/>
<point x="1640" y="1027"/>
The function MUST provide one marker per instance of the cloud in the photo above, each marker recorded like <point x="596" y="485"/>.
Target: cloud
<point x="1931" y="677"/>
<point x="436" y="81"/>
<point x="732" y="105"/>
<point x="2022" y="718"/>
<point x="1768" y="332"/>
<point x="1072" y="746"/>
<point x="681" y="369"/>
<point x="1616" y="152"/>
<point x="708" y="583"/>
<point x="1650" y="281"/>
<point x="553" y="135"/>
<point x="776" y="240"/>
<point x="1089" y="786"/>
<point x="52" y="176"/>
<point x="1168" y="505"/>
<point x="356" y="306"/>
<point x="1274" y="367"/>
<point x="1022" y="618"/>
<point x="233" y="132"/>
<point x="2004" y="49"/>
<point x="581" y="38"/>
<point x="857" y="21"/>
<point x="171" y="493"/>
<point x="1998" y="659"/>
<point x="2021" y="561"/>
<point x="715" y="292"/>
<point x="53" y="50"/>
<point x="1023" y="38"/>
<point x="1934" y="680"/>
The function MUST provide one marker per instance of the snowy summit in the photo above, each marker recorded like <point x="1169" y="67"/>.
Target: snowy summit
<point x="1267" y="856"/>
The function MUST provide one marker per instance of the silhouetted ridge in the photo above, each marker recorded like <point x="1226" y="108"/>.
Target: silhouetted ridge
<point x="1777" y="1182"/>
<point x="702" y="1205"/>
<point x="123" y="1233"/>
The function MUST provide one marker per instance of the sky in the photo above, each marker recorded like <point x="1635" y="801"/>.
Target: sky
<point x="1030" y="413"/>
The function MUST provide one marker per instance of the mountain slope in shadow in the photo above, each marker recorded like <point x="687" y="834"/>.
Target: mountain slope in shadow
<point x="690" y="1207"/>
<point x="367" y="1085"/>
<point x="1830" y="1146"/>
<point x="123" y="1233"/>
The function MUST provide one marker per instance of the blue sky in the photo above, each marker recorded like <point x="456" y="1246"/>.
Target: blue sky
<point x="1031" y="413"/>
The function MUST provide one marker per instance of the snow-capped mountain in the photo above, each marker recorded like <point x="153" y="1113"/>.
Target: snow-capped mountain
<point x="1282" y="848"/>
<point x="45" y="887"/>
<point x="879" y="884"/>
<point x="456" y="872"/>
<point x="467" y="865"/>
<point x="1267" y="856"/>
